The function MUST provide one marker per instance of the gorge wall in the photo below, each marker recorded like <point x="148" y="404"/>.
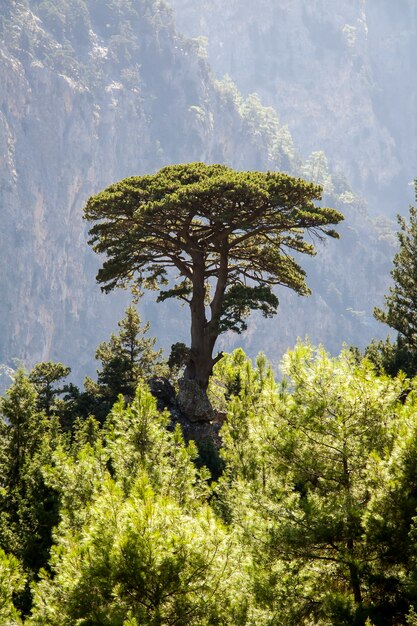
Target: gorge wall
<point x="341" y="75"/>
<point x="96" y="91"/>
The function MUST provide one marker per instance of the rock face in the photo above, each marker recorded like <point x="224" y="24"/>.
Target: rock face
<point x="96" y="91"/>
<point x="83" y="104"/>
<point x="191" y="410"/>
<point x="342" y="77"/>
<point x="193" y="403"/>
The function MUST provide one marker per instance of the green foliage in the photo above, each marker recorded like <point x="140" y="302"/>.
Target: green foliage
<point x="392" y="357"/>
<point x="12" y="582"/>
<point x="214" y="206"/>
<point x="28" y="506"/>
<point x="45" y="376"/>
<point x="400" y="311"/>
<point x="127" y="358"/>
<point x="312" y="519"/>
<point x="390" y="519"/>
<point x="299" y="471"/>
<point x="240" y="300"/>
<point x="138" y="440"/>
<point x="18" y="409"/>
<point x="145" y="559"/>
<point x="223" y="231"/>
<point x="411" y="618"/>
<point x="179" y="356"/>
<point x="141" y="535"/>
<point x="235" y="377"/>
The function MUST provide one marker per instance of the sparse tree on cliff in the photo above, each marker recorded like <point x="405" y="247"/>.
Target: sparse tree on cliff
<point x="229" y="235"/>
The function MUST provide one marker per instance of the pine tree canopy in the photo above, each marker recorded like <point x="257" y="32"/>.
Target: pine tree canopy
<point x="228" y="235"/>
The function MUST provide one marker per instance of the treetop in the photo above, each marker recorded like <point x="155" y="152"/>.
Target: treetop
<point x="144" y="223"/>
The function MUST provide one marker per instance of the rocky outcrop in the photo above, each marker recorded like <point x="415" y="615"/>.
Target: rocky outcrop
<point x="164" y="393"/>
<point x="193" y="402"/>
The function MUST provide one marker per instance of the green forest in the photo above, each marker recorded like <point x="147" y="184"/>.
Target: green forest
<point x="293" y="502"/>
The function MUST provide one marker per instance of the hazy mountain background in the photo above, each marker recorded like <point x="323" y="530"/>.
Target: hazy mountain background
<point x="340" y="74"/>
<point x="95" y="90"/>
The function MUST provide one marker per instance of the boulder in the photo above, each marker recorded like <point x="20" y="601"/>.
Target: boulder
<point x="193" y="402"/>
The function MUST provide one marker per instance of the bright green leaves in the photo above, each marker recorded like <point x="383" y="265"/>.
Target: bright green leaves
<point x="313" y="520"/>
<point x="401" y="302"/>
<point x="137" y="540"/>
<point x="390" y="521"/>
<point x="12" y="581"/>
<point x="300" y="467"/>
<point x="145" y="559"/>
<point x="138" y="441"/>
<point x="341" y="417"/>
<point x="28" y="507"/>
<point x="125" y="359"/>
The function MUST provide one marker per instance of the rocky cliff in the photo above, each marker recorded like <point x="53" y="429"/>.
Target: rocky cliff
<point x="341" y="75"/>
<point x="96" y="91"/>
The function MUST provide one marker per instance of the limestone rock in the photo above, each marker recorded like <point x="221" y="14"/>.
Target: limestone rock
<point x="332" y="75"/>
<point x="80" y="111"/>
<point x="193" y="402"/>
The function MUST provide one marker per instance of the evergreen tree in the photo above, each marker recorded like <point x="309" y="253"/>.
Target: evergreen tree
<point x="228" y="235"/>
<point x="45" y="377"/>
<point x="18" y="409"/>
<point x="128" y="356"/>
<point x="137" y="530"/>
<point x="28" y="507"/>
<point x="400" y="311"/>
<point x="125" y="359"/>
<point x="297" y="482"/>
<point x="12" y="582"/>
<point x="390" y="522"/>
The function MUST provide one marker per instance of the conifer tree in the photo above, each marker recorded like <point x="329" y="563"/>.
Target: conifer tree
<point x="228" y="236"/>
<point x="12" y="582"/>
<point x="125" y="359"/>
<point x="390" y="522"/>
<point x="137" y="544"/>
<point x="400" y="312"/>
<point x="28" y="507"/>
<point x="297" y="482"/>
<point x="18" y="409"/>
<point x="45" y="376"/>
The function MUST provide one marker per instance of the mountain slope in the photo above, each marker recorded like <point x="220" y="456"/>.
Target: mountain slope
<point x="96" y="91"/>
<point x="342" y="77"/>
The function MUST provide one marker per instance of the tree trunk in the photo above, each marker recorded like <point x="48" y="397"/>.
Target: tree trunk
<point x="201" y="361"/>
<point x="203" y="332"/>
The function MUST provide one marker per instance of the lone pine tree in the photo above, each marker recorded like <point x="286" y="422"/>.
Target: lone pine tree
<point x="227" y="234"/>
